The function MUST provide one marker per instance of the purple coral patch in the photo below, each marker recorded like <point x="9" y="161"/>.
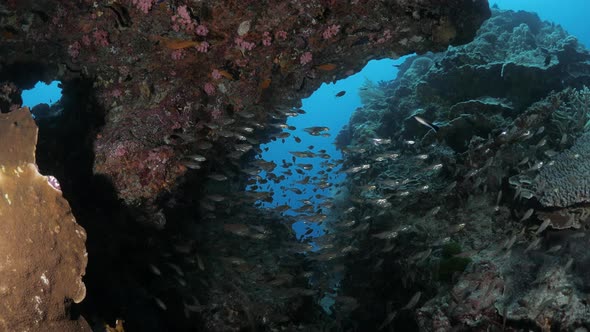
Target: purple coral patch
<point x="53" y="182"/>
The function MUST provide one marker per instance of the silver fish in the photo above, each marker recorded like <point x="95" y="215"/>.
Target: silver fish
<point x="379" y="141"/>
<point x="434" y="211"/>
<point x="413" y="301"/>
<point x="387" y="320"/>
<point x="303" y="154"/>
<point x="316" y="131"/>
<point x="217" y="177"/>
<point x="543" y="226"/>
<point x="176" y="269"/>
<point x="536" y="166"/>
<point x="357" y="169"/>
<point x="204" y="145"/>
<point x="550" y="153"/>
<point x="237" y="229"/>
<point x="510" y="242"/>
<point x="155" y="270"/>
<point x="385" y="156"/>
<point x="160" y="303"/>
<point x="216" y="198"/>
<point x="524" y="161"/>
<point x="434" y="167"/>
<point x="386" y="235"/>
<point x="200" y="263"/>
<point x="196" y="157"/>
<point x="246" y="129"/>
<point x="533" y="244"/>
<point x="381" y="202"/>
<point x="243" y="147"/>
<point x="542" y="142"/>
<point x="527" y="214"/>
<point x="569" y="263"/>
<point x="191" y="164"/>
<point x="563" y="139"/>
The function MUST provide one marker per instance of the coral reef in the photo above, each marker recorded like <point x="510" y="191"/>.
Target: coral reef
<point x="563" y="182"/>
<point x="43" y="248"/>
<point x="234" y="56"/>
<point x="465" y="205"/>
<point x="161" y="100"/>
<point x="477" y="225"/>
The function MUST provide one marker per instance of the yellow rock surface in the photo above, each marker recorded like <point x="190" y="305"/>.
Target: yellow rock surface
<point x="42" y="248"/>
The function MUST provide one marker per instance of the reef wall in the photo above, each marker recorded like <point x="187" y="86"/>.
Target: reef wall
<point x="476" y="215"/>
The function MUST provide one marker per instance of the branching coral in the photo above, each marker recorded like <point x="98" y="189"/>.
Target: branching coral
<point x="371" y="93"/>
<point x="574" y="115"/>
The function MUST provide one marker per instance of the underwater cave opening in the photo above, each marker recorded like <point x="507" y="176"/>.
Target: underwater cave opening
<point x="42" y="93"/>
<point x="308" y="179"/>
<point x="306" y="152"/>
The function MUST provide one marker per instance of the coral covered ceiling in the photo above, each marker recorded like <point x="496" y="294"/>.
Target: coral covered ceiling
<point x="169" y="75"/>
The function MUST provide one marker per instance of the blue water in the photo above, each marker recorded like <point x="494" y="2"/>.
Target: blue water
<point x="41" y="93"/>
<point x="323" y="108"/>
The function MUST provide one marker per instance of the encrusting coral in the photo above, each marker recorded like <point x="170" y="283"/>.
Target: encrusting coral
<point x="42" y="252"/>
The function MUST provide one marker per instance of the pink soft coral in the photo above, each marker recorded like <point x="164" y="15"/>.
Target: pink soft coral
<point x="306" y="58"/>
<point x="244" y="45"/>
<point x="183" y="20"/>
<point x="331" y="31"/>
<point x="209" y="88"/>
<point x="101" y="38"/>
<point x="143" y="5"/>
<point x="266" y="39"/>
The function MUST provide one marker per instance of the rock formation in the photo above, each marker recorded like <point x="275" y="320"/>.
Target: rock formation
<point x="42" y="248"/>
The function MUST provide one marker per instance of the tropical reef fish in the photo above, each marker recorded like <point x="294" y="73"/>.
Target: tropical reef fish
<point x="217" y="177"/>
<point x="386" y="235"/>
<point x="237" y="229"/>
<point x="316" y="131"/>
<point x="196" y="157"/>
<point x="426" y="123"/>
<point x="543" y="226"/>
<point x="413" y="301"/>
<point x="304" y="154"/>
<point x="379" y="141"/>
<point x="357" y="169"/>
<point x="527" y="214"/>
<point x="191" y="164"/>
